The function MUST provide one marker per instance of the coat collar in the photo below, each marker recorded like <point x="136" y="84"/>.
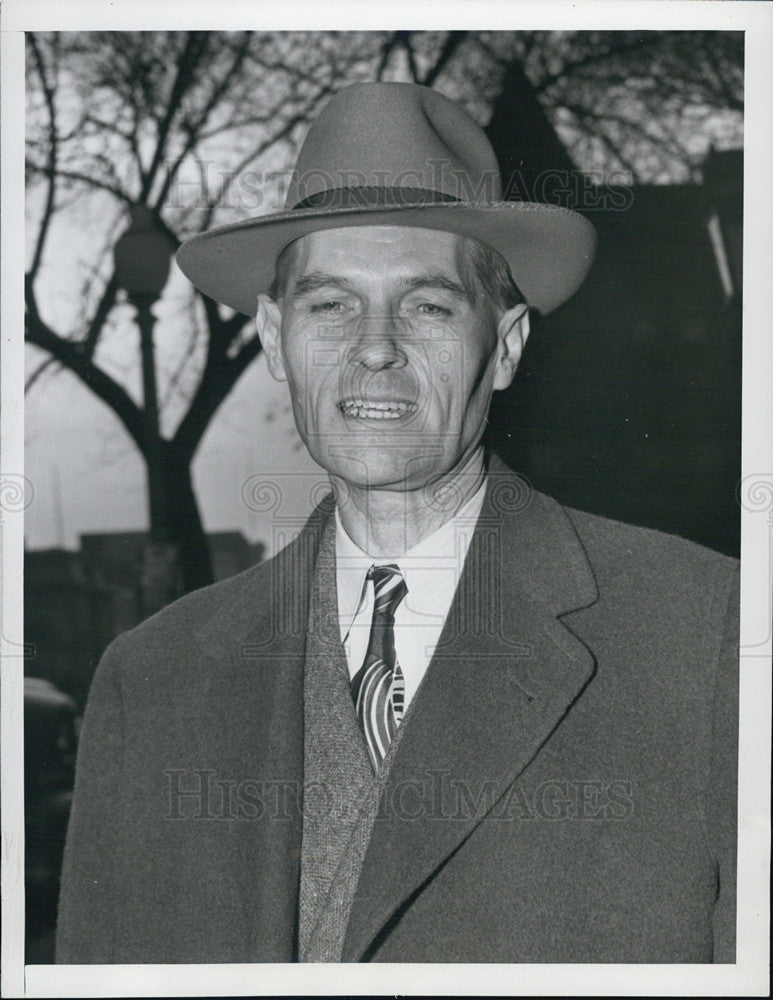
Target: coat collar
<point x="546" y="564"/>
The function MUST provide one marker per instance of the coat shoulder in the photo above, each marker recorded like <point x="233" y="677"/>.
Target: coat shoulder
<point x="661" y="587"/>
<point x="618" y="548"/>
<point x="664" y="627"/>
<point x="170" y="643"/>
<point x="190" y="638"/>
<point x="187" y="615"/>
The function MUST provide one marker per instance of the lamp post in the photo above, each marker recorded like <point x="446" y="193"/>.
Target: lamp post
<point x="142" y="258"/>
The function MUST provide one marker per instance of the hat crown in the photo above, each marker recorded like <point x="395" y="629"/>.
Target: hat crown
<point x="396" y="154"/>
<point x="398" y="137"/>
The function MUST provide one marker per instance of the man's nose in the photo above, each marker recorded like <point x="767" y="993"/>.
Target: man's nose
<point x="378" y="344"/>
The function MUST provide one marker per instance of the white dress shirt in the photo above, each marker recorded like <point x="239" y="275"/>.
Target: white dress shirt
<point x="431" y="571"/>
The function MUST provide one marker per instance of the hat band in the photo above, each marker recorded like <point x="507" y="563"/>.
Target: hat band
<point x="373" y="197"/>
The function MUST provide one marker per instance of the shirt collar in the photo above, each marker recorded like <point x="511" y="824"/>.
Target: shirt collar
<point x="445" y="548"/>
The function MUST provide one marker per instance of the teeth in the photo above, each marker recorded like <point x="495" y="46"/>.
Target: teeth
<point x="374" y="409"/>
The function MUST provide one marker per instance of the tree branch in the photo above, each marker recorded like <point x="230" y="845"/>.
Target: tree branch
<point x="219" y="377"/>
<point x="101" y="384"/>
<point x="660" y="143"/>
<point x="193" y="50"/>
<point x="412" y="67"/>
<point x="194" y="130"/>
<point x="101" y="124"/>
<point x="453" y="40"/>
<point x="74" y="175"/>
<point x="48" y="209"/>
<point x="237" y="123"/>
<point x="174" y="379"/>
<point x="219" y="331"/>
<point x="282" y="133"/>
<point x="593" y="58"/>
<point x="388" y="47"/>
<point x="611" y="145"/>
<point x="105" y="304"/>
<point x="40" y="370"/>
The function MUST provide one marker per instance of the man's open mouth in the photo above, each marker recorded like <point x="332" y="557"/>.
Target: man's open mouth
<point x="372" y="409"/>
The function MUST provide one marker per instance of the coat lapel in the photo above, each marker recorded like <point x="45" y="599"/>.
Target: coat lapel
<point x="504" y="674"/>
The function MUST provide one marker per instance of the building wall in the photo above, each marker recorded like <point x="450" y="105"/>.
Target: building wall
<point x="628" y="399"/>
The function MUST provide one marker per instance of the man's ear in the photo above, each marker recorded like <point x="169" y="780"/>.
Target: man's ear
<point x="512" y="333"/>
<point x="268" y="320"/>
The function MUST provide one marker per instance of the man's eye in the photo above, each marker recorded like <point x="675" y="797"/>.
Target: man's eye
<point x="333" y="307"/>
<point x="433" y="309"/>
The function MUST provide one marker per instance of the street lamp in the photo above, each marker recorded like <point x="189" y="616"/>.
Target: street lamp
<point x="142" y="259"/>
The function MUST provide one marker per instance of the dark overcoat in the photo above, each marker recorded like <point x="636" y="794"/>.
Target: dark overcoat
<point x="564" y="789"/>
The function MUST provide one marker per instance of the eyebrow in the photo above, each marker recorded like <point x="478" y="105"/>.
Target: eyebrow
<point x="320" y="279"/>
<point x="438" y="281"/>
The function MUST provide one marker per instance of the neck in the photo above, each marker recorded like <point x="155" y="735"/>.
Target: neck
<point x="387" y="523"/>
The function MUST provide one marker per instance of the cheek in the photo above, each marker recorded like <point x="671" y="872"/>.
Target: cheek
<point x="476" y="374"/>
<point x="295" y="380"/>
<point x="295" y="357"/>
<point x="312" y="381"/>
<point x="474" y="400"/>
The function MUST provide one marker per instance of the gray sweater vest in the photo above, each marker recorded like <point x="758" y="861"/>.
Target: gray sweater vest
<point x="341" y="792"/>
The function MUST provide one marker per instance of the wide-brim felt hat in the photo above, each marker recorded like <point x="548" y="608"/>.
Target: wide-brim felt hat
<point x="397" y="154"/>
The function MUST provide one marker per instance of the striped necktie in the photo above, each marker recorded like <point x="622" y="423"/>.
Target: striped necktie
<point x="378" y="688"/>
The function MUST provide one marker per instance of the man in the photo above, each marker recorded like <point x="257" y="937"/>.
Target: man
<point x="452" y="721"/>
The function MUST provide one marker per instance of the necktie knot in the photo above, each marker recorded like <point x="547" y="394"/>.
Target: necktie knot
<point x="389" y="588"/>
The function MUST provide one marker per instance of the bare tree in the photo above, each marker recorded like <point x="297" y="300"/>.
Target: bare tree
<point x="182" y="124"/>
<point x="640" y="102"/>
<point x="118" y="119"/>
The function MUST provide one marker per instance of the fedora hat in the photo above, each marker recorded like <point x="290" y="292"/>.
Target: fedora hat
<point x="396" y="154"/>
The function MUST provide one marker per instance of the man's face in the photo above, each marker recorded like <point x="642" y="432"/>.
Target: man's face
<point x="390" y="360"/>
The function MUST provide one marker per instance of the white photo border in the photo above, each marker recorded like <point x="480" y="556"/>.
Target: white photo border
<point x="749" y="976"/>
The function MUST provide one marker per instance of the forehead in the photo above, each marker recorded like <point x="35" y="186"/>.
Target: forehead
<point x="378" y="250"/>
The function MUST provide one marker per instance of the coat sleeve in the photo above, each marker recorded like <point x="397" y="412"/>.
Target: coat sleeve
<point x="90" y="897"/>
<point x="722" y="807"/>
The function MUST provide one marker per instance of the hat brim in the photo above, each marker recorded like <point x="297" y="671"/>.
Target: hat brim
<point x="549" y="248"/>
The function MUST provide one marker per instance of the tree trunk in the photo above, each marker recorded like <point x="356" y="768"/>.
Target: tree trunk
<point x="183" y="527"/>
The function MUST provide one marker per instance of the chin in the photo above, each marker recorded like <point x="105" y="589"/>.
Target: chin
<point x="371" y="466"/>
